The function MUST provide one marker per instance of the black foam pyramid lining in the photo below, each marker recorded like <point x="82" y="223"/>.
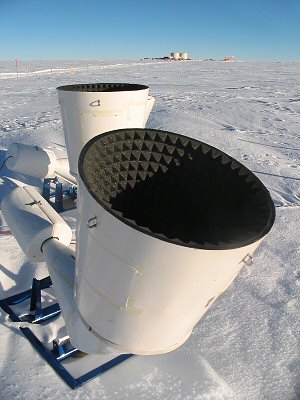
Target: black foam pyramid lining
<point x="176" y="188"/>
<point x="102" y="87"/>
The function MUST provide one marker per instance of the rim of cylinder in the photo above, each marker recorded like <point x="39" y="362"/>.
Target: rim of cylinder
<point x="102" y="87"/>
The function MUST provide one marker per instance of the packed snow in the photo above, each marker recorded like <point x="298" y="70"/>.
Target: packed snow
<point x="247" y="345"/>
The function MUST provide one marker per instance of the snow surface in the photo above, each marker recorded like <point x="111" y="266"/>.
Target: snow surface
<point x="247" y="345"/>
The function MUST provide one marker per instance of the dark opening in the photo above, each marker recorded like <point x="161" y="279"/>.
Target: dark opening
<point x="176" y="188"/>
<point x="102" y="87"/>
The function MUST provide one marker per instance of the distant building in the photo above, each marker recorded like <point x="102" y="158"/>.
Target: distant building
<point x="179" y="56"/>
<point x="176" y="56"/>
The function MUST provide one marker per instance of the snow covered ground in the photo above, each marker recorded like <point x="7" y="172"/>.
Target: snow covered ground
<point x="247" y="345"/>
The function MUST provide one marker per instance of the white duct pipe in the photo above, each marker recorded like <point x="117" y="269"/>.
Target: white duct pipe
<point x="31" y="160"/>
<point x="60" y="261"/>
<point x="62" y="170"/>
<point x="90" y="109"/>
<point x="38" y="162"/>
<point x="33" y="221"/>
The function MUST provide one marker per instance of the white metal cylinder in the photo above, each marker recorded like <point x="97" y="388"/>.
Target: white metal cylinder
<point x="149" y="261"/>
<point x="91" y="109"/>
<point x="141" y="294"/>
<point x="31" y="160"/>
<point x="33" y="221"/>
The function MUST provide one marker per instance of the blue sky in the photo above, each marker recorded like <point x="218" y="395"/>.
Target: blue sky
<point x="132" y="29"/>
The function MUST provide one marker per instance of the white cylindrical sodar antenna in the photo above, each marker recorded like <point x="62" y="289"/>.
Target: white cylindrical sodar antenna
<point x="90" y="109"/>
<point x="165" y="224"/>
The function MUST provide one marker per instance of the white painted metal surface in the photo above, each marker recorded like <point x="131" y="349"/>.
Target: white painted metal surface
<point x="32" y="221"/>
<point x="86" y="113"/>
<point x="141" y="294"/>
<point x="183" y="56"/>
<point x="62" y="169"/>
<point x="31" y="160"/>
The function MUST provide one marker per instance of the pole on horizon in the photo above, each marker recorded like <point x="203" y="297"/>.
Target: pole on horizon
<point x="17" y="68"/>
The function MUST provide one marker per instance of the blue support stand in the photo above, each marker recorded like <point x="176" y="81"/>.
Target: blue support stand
<point x="59" y="351"/>
<point x="55" y="193"/>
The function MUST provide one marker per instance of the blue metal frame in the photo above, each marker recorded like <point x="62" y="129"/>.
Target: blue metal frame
<point x="37" y="313"/>
<point x="58" y="193"/>
<point x="59" y="352"/>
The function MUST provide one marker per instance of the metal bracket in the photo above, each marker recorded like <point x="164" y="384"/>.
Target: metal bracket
<point x="34" y="203"/>
<point x="247" y="260"/>
<point x="92" y="222"/>
<point x="95" y="103"/>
